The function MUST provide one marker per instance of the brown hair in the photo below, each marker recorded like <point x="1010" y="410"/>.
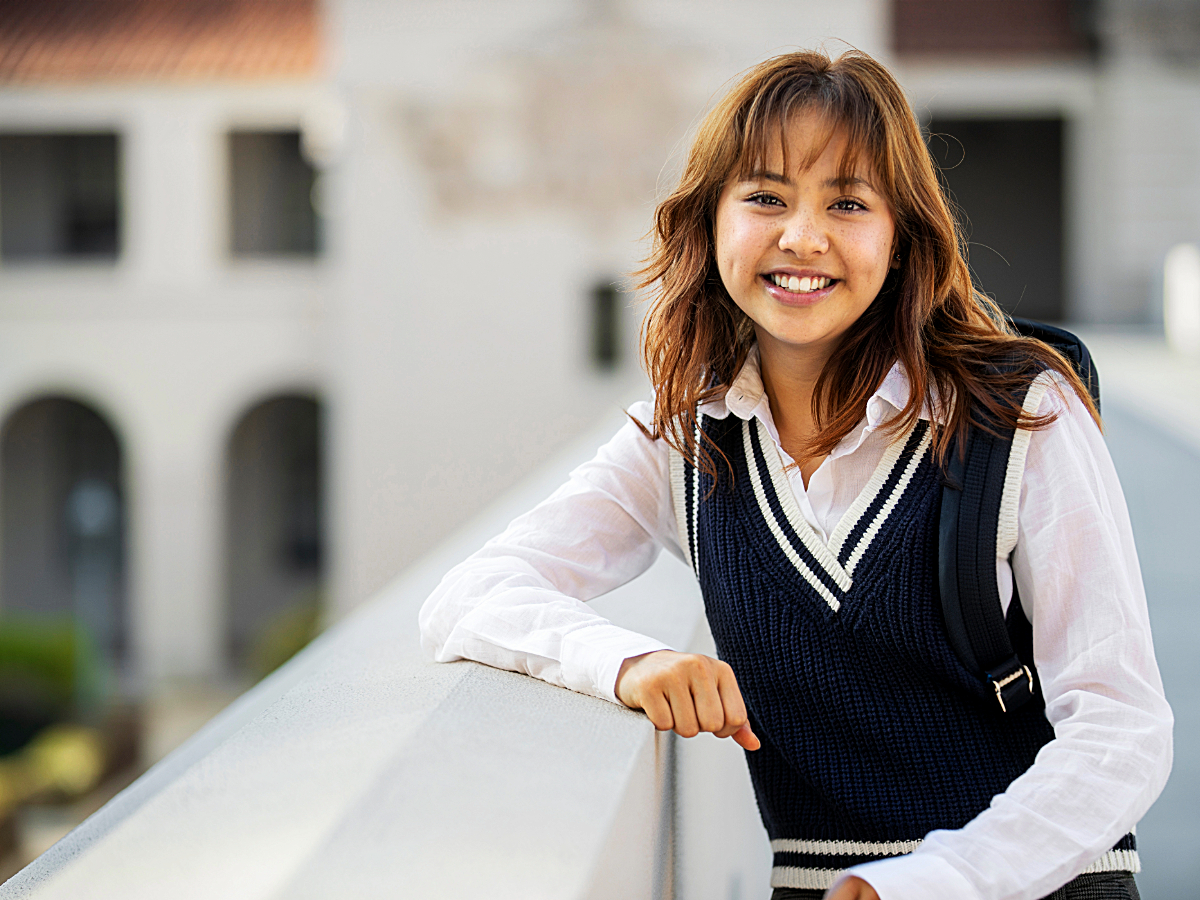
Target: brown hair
<point x="952" y="340"/>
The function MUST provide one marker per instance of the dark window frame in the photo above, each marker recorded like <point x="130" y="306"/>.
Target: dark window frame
<point x="270" y="214"/>
<point x="76" y="228"/>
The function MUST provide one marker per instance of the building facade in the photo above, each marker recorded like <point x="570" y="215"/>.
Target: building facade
<point x="288" y="293"/>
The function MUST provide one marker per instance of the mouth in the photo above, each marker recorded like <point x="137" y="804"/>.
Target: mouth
<point x="793" y="284"/>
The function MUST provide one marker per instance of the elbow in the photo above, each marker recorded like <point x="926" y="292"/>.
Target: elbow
<point x="1166" y="744"/>
<point x="431" y="625"/>
<point x="1153" y="745"/>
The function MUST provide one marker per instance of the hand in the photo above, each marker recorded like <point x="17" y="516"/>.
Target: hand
<point x="686" y="693"/>
<point x="853" y="888"/>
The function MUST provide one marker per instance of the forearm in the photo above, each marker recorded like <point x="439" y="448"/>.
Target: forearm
<point x="520" y="602"/>
<point x="526" y="625"/>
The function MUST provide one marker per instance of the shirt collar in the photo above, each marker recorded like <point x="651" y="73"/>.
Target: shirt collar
<point x="746" y="398"/>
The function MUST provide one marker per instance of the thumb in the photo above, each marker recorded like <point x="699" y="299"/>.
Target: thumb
<point x="746" y="738"/>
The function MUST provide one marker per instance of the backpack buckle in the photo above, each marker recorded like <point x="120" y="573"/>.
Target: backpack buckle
<point x="1014" y="688"/>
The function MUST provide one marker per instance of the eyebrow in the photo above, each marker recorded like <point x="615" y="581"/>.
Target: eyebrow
<point x="853" y="181"/>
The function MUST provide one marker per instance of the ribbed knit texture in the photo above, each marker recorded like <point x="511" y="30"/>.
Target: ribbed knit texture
<point x="1106" y="886"/>
<point x="873" y="732"/>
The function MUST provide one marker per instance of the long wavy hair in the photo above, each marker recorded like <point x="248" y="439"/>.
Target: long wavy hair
<point x="956" y="346"/>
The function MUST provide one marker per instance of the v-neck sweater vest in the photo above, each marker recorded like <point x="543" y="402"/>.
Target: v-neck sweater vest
<point x="873" y="733"/>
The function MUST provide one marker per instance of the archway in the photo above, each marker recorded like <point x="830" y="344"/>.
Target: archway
<point x="62" y="563"/>
<point x="274" y="531"/>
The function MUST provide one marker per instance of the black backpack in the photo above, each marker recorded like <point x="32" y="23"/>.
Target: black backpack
<point x="990" y="644"/>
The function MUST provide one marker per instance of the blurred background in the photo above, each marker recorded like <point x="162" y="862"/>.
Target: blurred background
<point x="290" y="289"/>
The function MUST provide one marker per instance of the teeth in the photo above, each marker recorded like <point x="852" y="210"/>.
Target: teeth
<point x="800" y="285"/>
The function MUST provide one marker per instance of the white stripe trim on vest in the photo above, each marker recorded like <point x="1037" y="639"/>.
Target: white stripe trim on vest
<point x="803" y="879"/>
<point x="1115" y="861"/>
<point x="864" y="500"/>
<point x="769" y="517"/>
<point x="679" y="501"/>
<point x="869" y="535"/>
<point x="845" y="848"/>
<point x="787" y="501"/>
<point x="1006" y="528"/>
<point x="696" y="496"/>
<point x="823" y="879"/>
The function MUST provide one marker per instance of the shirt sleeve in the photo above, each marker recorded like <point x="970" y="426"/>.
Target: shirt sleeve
<point x="1077" y="574"/>
<point x="519" y="603"/>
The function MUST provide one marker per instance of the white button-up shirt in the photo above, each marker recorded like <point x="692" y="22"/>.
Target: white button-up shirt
<point x="520" y="603"/>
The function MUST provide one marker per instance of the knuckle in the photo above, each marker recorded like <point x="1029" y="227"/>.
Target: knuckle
<point x="660" y="721"/>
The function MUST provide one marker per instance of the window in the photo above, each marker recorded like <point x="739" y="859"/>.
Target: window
<point x="59" y="196"/>
<point x="606" y="326"/>
<point x="271" y="188"/>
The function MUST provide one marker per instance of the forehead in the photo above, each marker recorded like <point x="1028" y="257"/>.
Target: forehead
<point x="802" y="141"/>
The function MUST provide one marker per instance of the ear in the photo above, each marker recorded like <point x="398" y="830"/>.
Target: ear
<point x="895" y="262"/>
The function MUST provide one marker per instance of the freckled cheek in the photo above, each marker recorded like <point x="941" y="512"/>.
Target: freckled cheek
<point x="740" y="248"/>
<point x="869" y="258"/>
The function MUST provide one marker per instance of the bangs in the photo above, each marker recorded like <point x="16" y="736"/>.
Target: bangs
<point x="840" y="105"/>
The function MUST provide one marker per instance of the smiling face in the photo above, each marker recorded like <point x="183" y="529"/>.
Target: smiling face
<point x="800" y="253"/>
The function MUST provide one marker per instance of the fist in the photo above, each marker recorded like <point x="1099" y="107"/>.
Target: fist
<point x="686" y="693"/>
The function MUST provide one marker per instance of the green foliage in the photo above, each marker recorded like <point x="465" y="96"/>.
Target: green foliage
<point x="38" y="661"/>
<point x="50" y="671"/>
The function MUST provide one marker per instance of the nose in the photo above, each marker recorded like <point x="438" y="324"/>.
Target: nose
<point x="803" y="233"/>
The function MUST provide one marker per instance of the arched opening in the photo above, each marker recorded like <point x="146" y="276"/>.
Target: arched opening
<point x="62" y="564"/>
<point x="274" y="532"/>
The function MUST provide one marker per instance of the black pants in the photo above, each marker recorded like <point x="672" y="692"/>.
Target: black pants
<point x="1100" y="886"/>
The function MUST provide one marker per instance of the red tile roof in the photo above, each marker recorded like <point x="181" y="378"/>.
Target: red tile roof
<point x="154" y="40"/>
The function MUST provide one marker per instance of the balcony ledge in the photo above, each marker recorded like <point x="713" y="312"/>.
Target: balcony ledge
<point x="363" y="769"/>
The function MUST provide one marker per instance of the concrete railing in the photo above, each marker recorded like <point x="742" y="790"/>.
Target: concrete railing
<point x="361" y="769"/>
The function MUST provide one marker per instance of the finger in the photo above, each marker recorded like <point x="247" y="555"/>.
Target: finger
<point x="706" y="697"/>
<point x="683" y="709"/>
<point x="734" y="708"/>
<point x="746" y="738"/>
<point x="658" y="711"/>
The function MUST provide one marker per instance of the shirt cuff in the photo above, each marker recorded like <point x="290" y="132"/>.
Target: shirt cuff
<point x="917" y="876"/>
<point x="592" y="657"/>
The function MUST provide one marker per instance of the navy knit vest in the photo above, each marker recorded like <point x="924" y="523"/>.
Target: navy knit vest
<point x="873" y="733"/>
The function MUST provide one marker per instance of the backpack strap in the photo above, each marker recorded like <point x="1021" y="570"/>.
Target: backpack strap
<point x="978" y="525"/>
<point x="1069" y="345"/>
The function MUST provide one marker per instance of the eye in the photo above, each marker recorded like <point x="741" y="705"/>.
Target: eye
<point x="762" y="198"/>
<point x="848" y="204"/>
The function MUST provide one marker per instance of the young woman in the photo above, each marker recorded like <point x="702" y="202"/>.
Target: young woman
<point x="815" y="345"/>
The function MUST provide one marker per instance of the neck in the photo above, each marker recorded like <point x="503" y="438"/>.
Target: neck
<point x="789" y="376"/>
